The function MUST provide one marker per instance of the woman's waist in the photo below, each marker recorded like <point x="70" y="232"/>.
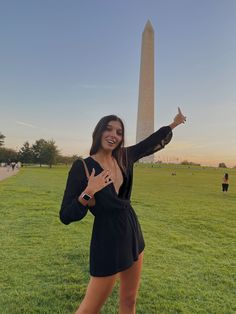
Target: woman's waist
<point x="115" y="207"/>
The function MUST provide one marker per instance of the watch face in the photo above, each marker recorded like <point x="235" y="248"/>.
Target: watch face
<point x="86" y="197"/>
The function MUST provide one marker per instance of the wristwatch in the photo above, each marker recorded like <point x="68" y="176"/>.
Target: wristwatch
<point x="86" y="196"/>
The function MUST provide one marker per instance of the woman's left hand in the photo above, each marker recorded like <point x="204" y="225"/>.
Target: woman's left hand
<point x="178" y="119"/>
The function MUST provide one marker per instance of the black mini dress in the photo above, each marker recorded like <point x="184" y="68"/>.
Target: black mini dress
<point x="117" y="238"/>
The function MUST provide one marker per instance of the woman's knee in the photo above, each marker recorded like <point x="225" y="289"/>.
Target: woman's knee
<point x="128" y="301"/>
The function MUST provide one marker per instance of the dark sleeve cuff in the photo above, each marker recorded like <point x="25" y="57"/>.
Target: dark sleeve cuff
<point x="73" y="212"/>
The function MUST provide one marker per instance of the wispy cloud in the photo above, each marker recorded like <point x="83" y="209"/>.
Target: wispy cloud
<point x="26" y="124"/>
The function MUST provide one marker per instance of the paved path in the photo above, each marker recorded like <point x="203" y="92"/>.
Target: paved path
<point x="5" y="174"/>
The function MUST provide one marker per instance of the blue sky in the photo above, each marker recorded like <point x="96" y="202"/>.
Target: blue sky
<point x="65" y="64"/>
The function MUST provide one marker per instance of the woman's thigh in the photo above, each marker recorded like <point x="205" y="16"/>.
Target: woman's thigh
<point x="98" y="290"/>
<point x="130" y="279"/>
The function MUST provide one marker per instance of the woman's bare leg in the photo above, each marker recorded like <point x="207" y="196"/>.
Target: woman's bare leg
<point x="98" y="290"/>
<point x="129" y="285"/>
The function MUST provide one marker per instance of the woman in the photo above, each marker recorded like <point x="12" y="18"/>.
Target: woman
<point x="117" y="243"/>
<point x="225" y="183"/>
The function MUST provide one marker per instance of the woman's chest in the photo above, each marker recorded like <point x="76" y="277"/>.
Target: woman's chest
<point x="117" y="179"/>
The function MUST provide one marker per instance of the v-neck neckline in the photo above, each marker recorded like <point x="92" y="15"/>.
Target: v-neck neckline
<point x="112" y="184"/>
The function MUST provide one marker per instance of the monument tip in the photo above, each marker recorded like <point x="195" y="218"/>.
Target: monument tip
<point x="149" y="25"/>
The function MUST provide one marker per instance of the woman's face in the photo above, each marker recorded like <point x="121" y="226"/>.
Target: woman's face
<point x="112" y="136"/>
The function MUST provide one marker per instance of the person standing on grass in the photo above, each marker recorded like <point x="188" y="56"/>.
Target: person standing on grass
<point x="13" y="164"/>
<point x="225" y="183"/>
<point x="117" y="243"/>
<point x="8" y="165"/>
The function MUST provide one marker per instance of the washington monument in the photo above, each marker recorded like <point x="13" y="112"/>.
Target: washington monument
<point x="145" y="121"/>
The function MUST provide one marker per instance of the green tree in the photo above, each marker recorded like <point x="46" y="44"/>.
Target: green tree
<point x="7" y="154"/>
<point x="67" y="160"/>
<point x="25" y="154"/>
<point x="222" y="165"/>
<point x="2" y="137"/>
<point x="37" y="150"/>
<point x="49" y="153"/>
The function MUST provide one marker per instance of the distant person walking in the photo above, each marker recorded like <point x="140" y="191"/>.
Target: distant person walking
<point x="13" y="164"/>
<point x="8" y="165"/>
<point x="225" y="183"/>
<point x="117" y="243"/>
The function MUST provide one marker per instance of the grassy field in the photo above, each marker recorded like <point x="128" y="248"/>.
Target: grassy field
<point x="189" y="228"/>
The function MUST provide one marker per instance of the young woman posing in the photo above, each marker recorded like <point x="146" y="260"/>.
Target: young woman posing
<point x="117" y="243"/>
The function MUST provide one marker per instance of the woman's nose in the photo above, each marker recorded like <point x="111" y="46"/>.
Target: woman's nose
<point x="113" y="134"/>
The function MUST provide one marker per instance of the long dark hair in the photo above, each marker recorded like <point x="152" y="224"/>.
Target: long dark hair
<point x="97" y="135"/>
<point x="226" y="176"/>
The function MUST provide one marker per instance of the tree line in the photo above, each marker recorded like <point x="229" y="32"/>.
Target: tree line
<point x="46" y="152"/>
<point x="42" y="152"/>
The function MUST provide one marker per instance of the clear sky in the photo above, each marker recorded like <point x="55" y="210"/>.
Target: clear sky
<point x="65" y="64"/>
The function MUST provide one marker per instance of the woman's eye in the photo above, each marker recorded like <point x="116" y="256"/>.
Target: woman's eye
<point x="109" y="129"/>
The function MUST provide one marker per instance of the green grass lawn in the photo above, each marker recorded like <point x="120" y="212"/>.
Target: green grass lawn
<point x="189" y="228"/>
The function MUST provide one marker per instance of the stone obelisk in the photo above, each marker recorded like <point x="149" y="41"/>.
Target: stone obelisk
<point x="145" y="122"/>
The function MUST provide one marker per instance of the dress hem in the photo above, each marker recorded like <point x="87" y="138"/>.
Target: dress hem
<point x="118" y="271"/>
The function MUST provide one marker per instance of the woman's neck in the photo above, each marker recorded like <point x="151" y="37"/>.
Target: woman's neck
<point x="103" y="156"/>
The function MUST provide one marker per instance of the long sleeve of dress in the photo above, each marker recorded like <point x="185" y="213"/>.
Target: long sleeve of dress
<point x="150" y="145"/>
<point x="71" y="209"/>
